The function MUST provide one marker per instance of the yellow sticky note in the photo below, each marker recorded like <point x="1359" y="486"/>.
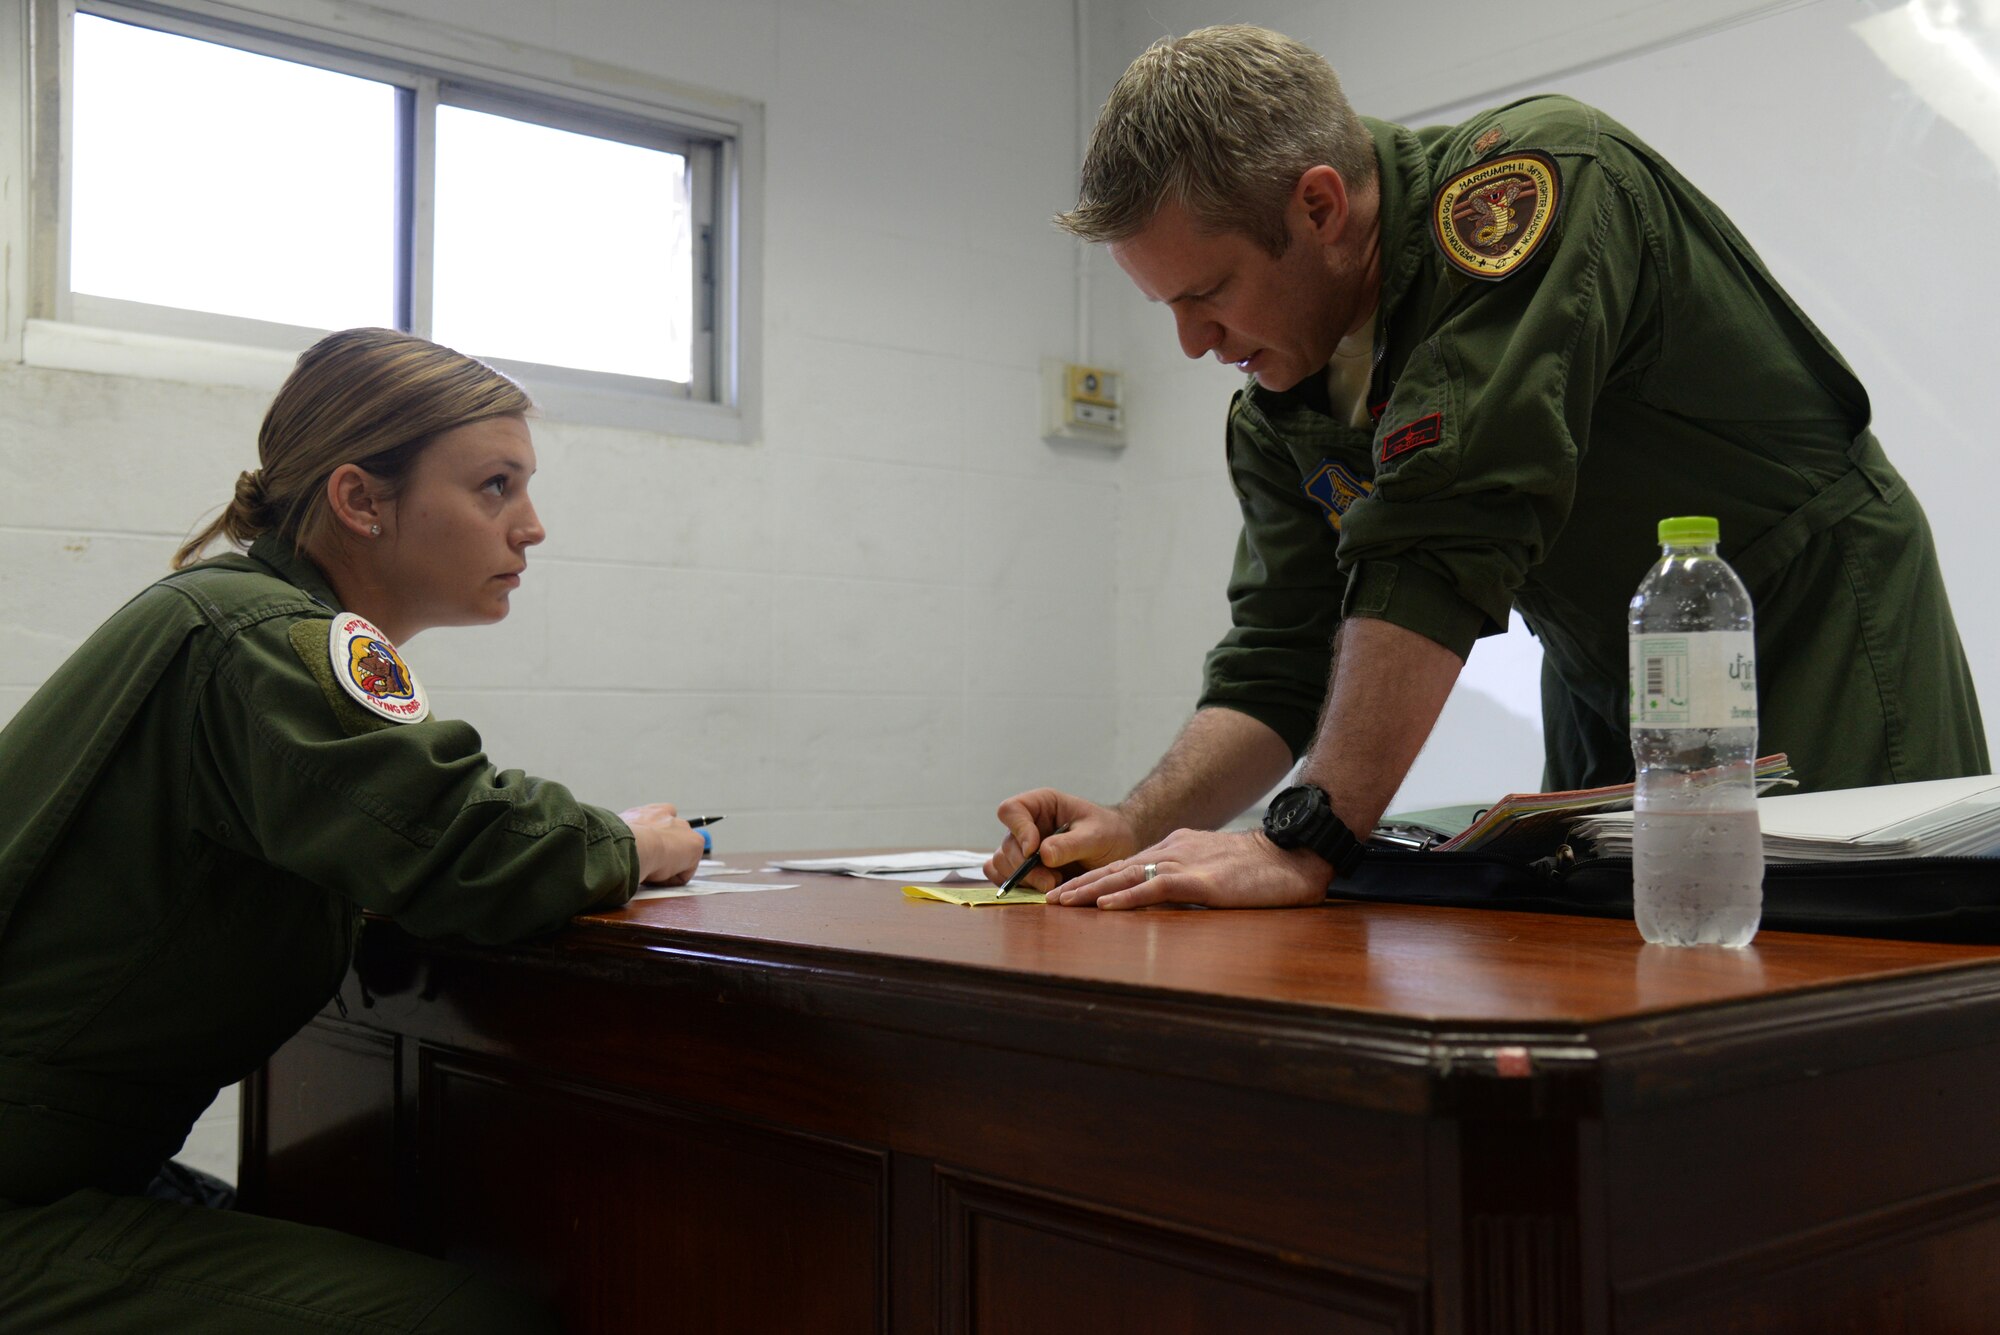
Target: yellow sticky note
<point x="972" y="896"/>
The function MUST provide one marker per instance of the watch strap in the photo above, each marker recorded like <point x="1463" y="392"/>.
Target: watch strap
<point x="1322" y="832"/>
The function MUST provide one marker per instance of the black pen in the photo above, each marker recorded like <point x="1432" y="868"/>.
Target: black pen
<point x="699" y="821"/>
<point x="1032" y="861"/>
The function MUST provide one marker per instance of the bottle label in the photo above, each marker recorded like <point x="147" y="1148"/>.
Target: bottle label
<point x="1701" y="679"/>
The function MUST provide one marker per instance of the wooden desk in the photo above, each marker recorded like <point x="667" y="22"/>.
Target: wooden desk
<point x="835" y="1109"/>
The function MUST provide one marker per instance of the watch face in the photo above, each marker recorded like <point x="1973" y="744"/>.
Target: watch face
<point x="1291" y="810"/>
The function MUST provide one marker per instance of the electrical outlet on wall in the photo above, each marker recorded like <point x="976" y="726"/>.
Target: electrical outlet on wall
<point x="1082" y="403"/>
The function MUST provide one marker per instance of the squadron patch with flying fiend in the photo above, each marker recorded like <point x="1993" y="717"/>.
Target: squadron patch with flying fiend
<point x="1491" y="217"/>
<point x="372" y="673"/>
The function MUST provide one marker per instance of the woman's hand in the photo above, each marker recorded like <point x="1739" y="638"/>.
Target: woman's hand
<point x="669" y="848"/>
<point x="1095" y="835"/>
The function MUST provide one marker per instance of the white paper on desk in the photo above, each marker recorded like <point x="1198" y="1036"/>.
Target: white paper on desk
<point x="1931" y="818"/>
<point x="1880" y="812"/>
<point x="701" y="887"/>
<point x="889" y="864"/>
<point x="946" y="877"/>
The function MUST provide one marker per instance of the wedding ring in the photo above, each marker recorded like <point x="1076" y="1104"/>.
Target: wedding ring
<point x="1150" y="870"/>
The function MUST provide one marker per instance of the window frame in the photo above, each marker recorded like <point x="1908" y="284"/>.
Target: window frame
<point x="721" y="137"/>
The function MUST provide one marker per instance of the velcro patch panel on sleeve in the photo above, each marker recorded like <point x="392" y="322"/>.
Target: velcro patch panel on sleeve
<point x="308" y="639"/>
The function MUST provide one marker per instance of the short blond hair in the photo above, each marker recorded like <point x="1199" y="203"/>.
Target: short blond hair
<point x="372" y="397"/>
<point x="1223" y="122"/>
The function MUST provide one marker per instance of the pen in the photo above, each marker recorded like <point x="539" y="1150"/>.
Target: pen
<point x="707" y="839"/>
<point x="1032" y="861"/>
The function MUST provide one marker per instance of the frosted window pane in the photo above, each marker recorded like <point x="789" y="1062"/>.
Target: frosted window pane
<point x="217" y="180"/>
<point x="561" y="248"/>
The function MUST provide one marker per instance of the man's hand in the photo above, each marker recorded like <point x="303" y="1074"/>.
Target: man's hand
<point x="1224" y="871"/>
<point x="1096" y="835"/>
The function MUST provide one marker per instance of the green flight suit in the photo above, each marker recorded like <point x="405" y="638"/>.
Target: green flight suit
<point x="1528" y="434"/>
<point x="191" y="824"/>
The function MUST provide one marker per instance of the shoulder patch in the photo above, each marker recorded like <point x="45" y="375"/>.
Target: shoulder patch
<point x="1336" y="487"/>
<point x="372" y="673"/>
<point x="1489" y="141"/>
<point x="1489" y="218"/>
<point x="1413" y="436"/>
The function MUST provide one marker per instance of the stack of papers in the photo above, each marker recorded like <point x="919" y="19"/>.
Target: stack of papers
<point x="1933" y="819"/>
<point x="952" y="864"/>
<point x="1531" y="825"/>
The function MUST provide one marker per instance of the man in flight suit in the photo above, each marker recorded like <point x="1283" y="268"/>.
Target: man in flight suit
<point x="1484" y="361"/>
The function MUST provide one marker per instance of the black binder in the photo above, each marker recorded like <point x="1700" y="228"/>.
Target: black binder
<point x="1914" y="899"/>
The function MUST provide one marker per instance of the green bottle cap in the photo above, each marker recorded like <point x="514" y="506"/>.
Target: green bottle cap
<point x="1689" y="529"/>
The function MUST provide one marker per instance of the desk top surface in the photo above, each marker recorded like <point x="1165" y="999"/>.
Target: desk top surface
<point x="1424" y="964"/>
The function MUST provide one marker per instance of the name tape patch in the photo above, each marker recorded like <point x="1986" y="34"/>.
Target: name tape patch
<point x="1424" y="431"/>
<point x="370" y="670"/>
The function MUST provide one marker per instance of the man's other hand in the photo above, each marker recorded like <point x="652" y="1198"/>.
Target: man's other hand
<point x="1096" y="835"/>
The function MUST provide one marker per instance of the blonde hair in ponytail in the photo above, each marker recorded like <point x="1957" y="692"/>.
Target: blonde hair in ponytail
<point x="371" y="397"/>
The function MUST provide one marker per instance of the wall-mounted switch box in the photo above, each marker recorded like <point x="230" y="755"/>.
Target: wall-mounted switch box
<point x="1082" y="403"/>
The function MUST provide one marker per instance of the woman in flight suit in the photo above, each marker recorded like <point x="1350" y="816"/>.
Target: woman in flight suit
<point x="195" y="810"/>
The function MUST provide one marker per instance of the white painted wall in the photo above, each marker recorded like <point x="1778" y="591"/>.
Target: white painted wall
<point x="1848" y="173"/>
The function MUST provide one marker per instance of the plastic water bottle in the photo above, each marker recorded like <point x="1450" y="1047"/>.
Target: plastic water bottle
<point x="1697" y="853"/>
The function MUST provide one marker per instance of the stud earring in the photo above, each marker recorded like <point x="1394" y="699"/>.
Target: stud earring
<point x="374" y="530"/>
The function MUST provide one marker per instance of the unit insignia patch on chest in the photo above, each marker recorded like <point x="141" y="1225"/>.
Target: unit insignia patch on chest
<point x="1336" y="487"/>
<point x="370" y="670"/>
<point x="1489" y="218"/>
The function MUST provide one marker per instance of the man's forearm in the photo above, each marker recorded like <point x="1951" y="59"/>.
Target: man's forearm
<point x="1389" y="686"/>
<point x="1221" y="763"/>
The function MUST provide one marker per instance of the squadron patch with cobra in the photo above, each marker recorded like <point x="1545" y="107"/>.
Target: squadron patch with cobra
<point x="1489" y="218"/>
<point x="372" y="673"/>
